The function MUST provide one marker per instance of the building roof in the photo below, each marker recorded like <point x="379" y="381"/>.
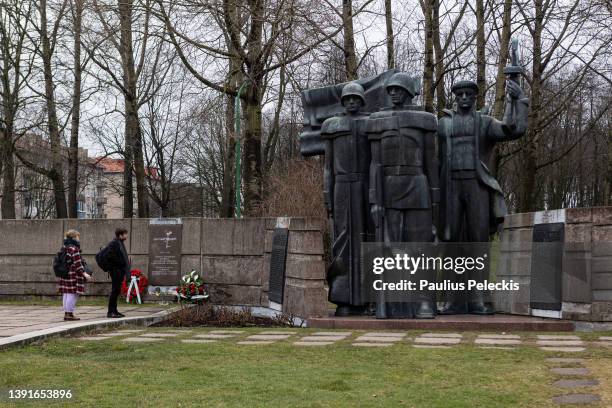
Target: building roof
<point x="113" y="166"/>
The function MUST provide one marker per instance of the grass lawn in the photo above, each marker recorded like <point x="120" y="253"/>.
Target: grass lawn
<point x="111" y="373"/>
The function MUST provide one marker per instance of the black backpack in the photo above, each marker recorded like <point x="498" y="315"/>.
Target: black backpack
<point x="61" y="264"/>
<point x="104" y="258"/>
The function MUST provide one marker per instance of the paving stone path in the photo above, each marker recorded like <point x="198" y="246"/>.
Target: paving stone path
<point x="562" y="343"/>
<point x="442" y="340"/>
<point x="577" y="384"/>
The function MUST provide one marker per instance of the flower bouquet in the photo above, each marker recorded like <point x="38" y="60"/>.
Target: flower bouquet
<point x="141" y="281"/>
<point x="191" y="288"/>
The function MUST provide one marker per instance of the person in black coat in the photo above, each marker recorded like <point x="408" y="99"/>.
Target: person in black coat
<point x="119" y="271"/>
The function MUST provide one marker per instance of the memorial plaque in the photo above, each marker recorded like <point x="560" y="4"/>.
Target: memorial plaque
<point x="277" y="265"/>
<point x="546" y="266"/>
<point x="165" y="254"/>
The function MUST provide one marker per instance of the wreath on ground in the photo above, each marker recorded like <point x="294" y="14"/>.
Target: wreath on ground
<point x="141" y="281"/>
<point x="191" y="288"/>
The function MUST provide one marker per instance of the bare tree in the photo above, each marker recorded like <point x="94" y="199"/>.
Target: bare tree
<point x="15" y="71"/>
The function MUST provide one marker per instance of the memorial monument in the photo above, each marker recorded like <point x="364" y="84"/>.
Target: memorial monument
<point x="387" y="160"/>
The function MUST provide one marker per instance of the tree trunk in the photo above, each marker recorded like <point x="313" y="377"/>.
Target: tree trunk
<point x="73" y="158"/>
<point x="480" y="55"/>
<point x="429" y="63"/>
<point x="390" y="38"/>
<point x="134" y="163"/>
<point x="234" y="81"/>
<point x="500" y="94"/>
<point x="529" y="151"/>
<point x="350" y="58"/>
<point x="57" y="174"/>
<point x="8" y="176"/>
<point x="251" y="169"/>
<point x="439" y="59"/>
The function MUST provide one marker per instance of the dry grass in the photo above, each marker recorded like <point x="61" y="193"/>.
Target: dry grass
<point x="601" y="369"/>
<point x="207" y="315"/>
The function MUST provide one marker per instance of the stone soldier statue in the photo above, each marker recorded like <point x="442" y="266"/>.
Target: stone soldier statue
<point x="472" y="203"/>
<point x="347" y="160"/>
<point x="403" y="180"/>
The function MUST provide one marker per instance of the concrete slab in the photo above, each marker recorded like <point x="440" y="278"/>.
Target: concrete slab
<point x="313" y="343"/>
<point x="198" y="341"/>
<point x="437" y="340"/>
<point x="557" y="343"/>
<point x="332" y="333"/>
<point x="557" y="337"/>
<point x="442" y="335"/>
<point x="385" y="334"/>
<point x="269" y="337"/>
<point x="500" y="342"/>
<point x="575" y="383"/>
<point x="576" y="399"/>
<point x="226" y="332"/>
<point x="378" y="339"/>
<point x="322" y="338"/>
<point x="275" y="332"/>
<point x="215" y="336"/>
<point x="430" y="346"/>
<point x="254" y="343"/>
<point x="359" y="344"/>
<point x="563" y="349"/>
<point x="142" y="339"/>
<point x="500" y="336"/>
<point x="497" y="347"/>
<point x="161" y="335"/>
<point x="570" y="371"/>
<point x="93" y="338"/>
<point x="605" y="338"/>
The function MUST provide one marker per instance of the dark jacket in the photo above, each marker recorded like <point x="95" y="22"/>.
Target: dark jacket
<point x="120" y="259"/>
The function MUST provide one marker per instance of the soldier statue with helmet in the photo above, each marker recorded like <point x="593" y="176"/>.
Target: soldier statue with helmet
<point x="403" y="182"/>
<point x="347" y="160"/>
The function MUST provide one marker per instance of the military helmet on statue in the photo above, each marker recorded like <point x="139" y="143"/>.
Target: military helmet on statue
<point x="353" y="89"/>
<point x="403" y="81"/>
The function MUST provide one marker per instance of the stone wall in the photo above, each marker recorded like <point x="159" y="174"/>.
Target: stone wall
<point x="233" y="256"/>
<point x="586" y="275"/>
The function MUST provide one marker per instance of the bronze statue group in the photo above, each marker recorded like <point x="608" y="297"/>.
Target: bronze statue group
<point x="401" y="175"/>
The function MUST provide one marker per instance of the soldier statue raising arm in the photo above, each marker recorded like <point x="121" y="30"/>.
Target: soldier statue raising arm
<point x="472" y="203"/>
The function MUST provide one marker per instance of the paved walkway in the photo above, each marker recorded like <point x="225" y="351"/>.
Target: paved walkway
<point x="545" y="342"/>
<point x="22" y="323"/>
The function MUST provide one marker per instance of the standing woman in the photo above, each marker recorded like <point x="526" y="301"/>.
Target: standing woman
<point x="74" y="285"/>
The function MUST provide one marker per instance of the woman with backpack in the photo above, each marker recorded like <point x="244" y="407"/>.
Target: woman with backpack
<point x="74" y="284"/>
